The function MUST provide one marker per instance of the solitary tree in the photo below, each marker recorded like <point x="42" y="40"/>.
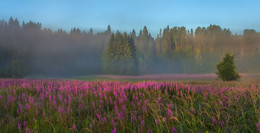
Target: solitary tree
<point x="226" y="69"/>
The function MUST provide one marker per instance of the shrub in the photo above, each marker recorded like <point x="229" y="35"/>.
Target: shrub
<point x="226" y="69"/>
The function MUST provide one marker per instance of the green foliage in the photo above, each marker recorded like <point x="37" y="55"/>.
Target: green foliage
<point x="226" y="69"/>
<point x="15" y="70"/>
<point x="120" y="56"/>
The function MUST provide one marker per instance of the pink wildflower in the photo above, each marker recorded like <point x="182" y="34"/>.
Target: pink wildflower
<point x="113" y="131"/>
<point x="214" y="120"/>
<point x="74" y="127"/>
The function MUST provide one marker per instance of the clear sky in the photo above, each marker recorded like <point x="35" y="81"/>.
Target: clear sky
<point x="123" y="15"/>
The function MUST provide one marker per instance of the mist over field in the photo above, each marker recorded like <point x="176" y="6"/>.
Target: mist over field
<point x="28" y="49"/>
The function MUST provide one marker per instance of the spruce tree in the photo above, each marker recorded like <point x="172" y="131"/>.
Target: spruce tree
<point x="120" y="56"/>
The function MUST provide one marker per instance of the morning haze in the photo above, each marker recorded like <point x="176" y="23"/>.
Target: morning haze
<point x="65" y="38"/>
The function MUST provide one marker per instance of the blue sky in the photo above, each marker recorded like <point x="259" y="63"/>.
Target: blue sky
<point x="123" y="15"/>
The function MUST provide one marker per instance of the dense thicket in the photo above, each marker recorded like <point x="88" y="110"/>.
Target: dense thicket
<point x="29" y="49"/>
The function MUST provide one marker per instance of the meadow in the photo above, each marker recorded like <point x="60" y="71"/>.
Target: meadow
<point x="28" y="105"/>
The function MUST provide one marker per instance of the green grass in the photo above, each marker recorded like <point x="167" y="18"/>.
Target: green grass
<point x="186" y="106"/>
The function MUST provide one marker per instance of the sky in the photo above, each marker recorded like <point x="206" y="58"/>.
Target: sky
<point x="125" y="15"/>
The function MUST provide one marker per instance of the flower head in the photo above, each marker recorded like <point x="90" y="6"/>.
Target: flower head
<point x="174" y="130"/>
<point x="25" y="123"/>
<point x="74" y="127"/>
<point x="222" y="123"/>
<point x="258" y="126"/>
<point x="164" y="119"/>
<point x="113" y="131"/>
<point x="156" y="121"/>
<point x="19" y="125"/>
<point x="142" y="123"/>
<point x="170" y="113"/>
<point x="132" y="118"/>
<point x="121" y="115"/>
<point x="98" y="115"/>
<point x="104" y="119"/>
<point x="214" y="120"/>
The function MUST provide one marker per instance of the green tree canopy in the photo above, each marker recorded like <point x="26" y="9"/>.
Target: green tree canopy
<point x="226" y="69"/>
<point x="120" y="56"/>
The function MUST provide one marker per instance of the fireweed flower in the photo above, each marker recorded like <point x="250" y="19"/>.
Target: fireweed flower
<point x="49" y="97"/>
<point x="132" y="103"/>
<point x="150" y="130"/>
<point x="222" y="123"/>
<point x="19" y="125"/>
<point x="65" y="101"/>
<point x="43" y="115"/>
<point x="59" y="110"/>
<point x="121" y="115"/>
<point x="74" y="127"/>
<point x="170" y="113"/>
<point x="135" y="112"/>
<point x="27" y="106"/>
<point x="164" y="119"/>
<point x="132" y="118"/>
<point x="156" y="121"/>
<point x="113" y="131"/>
<point x="139" y="117"/>
<point x="144" y="108"/>
<point x="98" y="115"/>
<point x="90" y="125"/>
<point x="30" y="99"/>
<point x="258" y="126"/>
<point x="60" y="97"/>
<point x="123" y="107"/>
<point x="113" y="122"/>
<point x="142" y="123"/>
<point x="104" y="119"/>
<point x="174" y="130"/>
<point x="214" y="120"/>
<point x="25" y="123"/>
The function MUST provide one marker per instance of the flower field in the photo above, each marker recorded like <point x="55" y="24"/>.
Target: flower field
<point x="113" y="106"/>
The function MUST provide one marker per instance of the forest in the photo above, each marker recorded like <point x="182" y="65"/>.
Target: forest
<point x="27" y="48"/>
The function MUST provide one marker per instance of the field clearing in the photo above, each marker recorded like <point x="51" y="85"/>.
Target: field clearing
<point x="246" y="79"/>
<point x="176" y="76"/>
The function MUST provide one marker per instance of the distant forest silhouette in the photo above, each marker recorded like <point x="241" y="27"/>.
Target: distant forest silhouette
<point x="29" y="49"/>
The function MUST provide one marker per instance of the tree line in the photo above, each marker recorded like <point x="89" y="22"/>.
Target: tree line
<point x="30" y="49"/>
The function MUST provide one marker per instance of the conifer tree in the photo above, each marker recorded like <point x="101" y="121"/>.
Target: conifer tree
<point x="120" y="56"/>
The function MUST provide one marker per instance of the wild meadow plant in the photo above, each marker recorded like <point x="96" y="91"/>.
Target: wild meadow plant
<point x="145" y="106"/>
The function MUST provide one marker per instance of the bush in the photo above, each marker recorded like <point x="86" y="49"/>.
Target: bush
<point x="226" y="69"/>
